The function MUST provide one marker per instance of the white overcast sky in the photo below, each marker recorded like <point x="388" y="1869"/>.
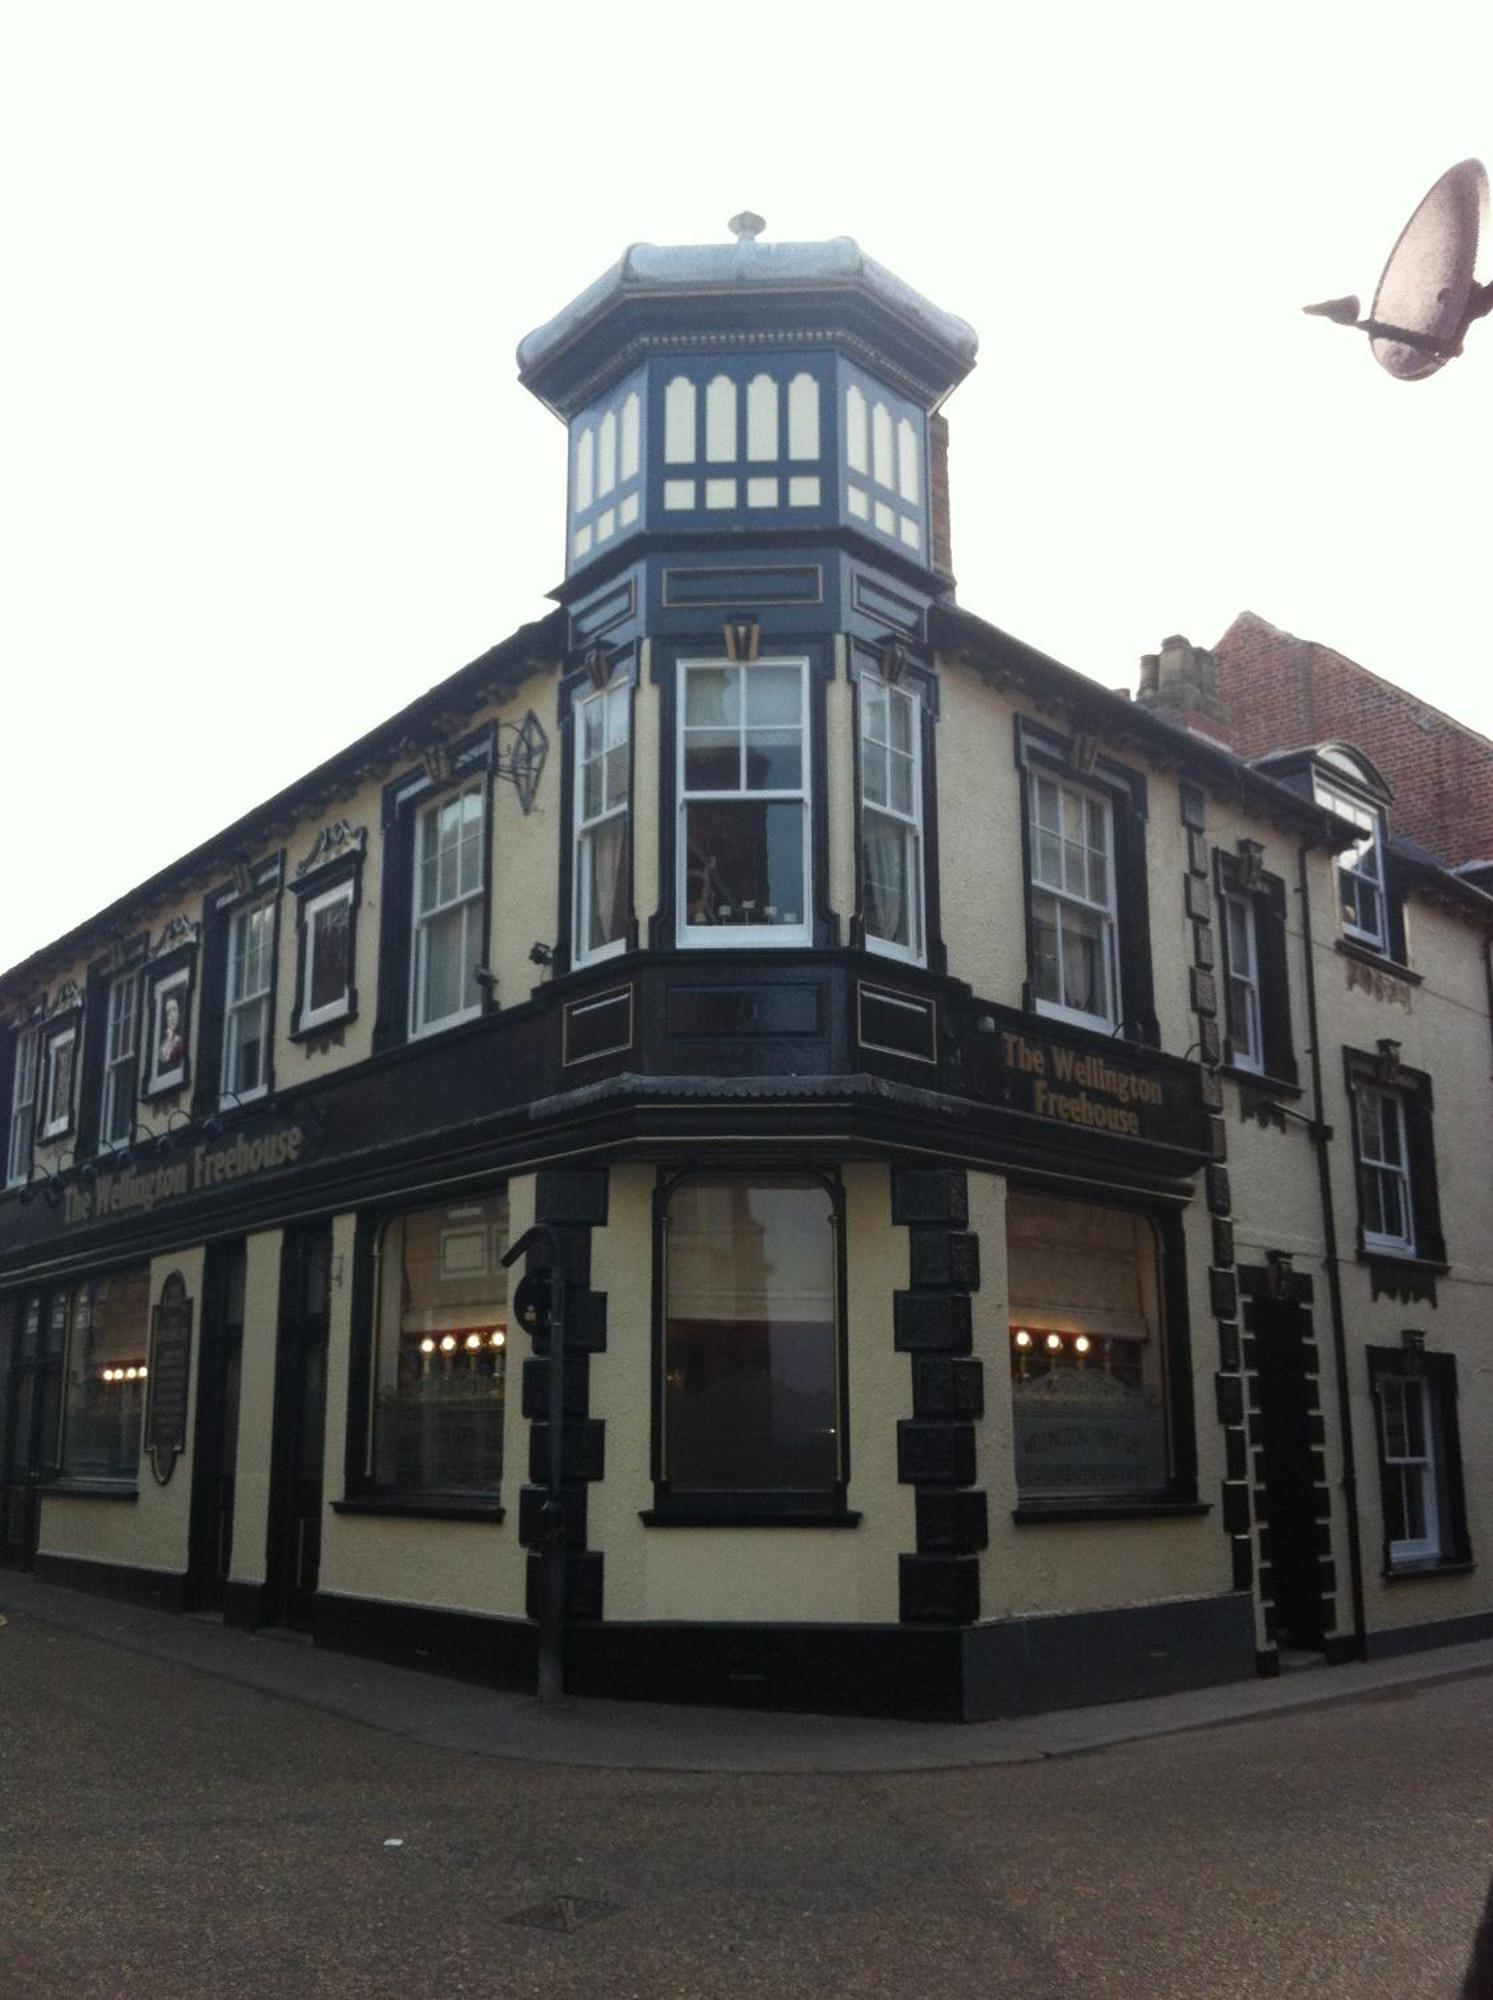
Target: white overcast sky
<point x="266" y="472"/>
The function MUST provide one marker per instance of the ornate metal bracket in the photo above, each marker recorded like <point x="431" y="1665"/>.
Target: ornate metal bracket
<point x="522" y="750"/>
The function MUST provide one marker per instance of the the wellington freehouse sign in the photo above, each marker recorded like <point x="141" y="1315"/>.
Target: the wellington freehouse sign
<point x="1088" y="1092"/>
<point x="137" y="1190"/>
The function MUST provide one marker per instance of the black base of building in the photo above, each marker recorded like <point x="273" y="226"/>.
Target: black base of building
<point x="160" y="1589"/>
<point x="498" y="1652"/>
<point x="1423" y="1638"/>
<point x="243" y="1605"/>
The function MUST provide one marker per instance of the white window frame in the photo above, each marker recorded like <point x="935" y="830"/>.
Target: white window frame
<point x="56" y="1120"/>
<point x="733" y="937"/>
<point x="1351" y="862"/>
<point x="1247" y="976"/>
<point x="1426" y="1547"/>
<point x="1392" y="1101"/>
<point x="119" y="1057"/>
<point x="24" y="1070"/>
<point x="910" y="824"/>
<point x="237" y="1009"/>
<point x="612" y="700"/>
<point x="471" y="901"/>
<point x="332" y="1010"/>
<point x="1056" y="1010"/>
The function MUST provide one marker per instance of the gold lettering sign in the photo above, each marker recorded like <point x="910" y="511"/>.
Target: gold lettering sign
<point x="139" y="1189"/>
<point x="1086" y="1091"/>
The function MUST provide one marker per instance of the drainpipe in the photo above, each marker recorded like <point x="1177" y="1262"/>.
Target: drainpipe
<point x="541" y="1316"/>
<point x="1321" y="1134"/>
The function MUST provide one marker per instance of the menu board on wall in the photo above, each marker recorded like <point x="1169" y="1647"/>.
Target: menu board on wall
<point x="170" y="1377"/>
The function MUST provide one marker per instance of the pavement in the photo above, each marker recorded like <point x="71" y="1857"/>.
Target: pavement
<point x="614" y="1735"/>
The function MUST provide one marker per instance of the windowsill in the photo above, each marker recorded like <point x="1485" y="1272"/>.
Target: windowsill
<point x="1410" y="1572"/>
<point x="419" y="1507"/>
<point x="1366" y="955"/>
<point x="1402" y="1260"/>
<point x="1261" y="1080"/>
<point x="748" y="1517"/>
<point x="309" y="1031"/>
<point x="90" y="1489"/>
<point x="1039" y="1513"/>
<point x="445" y="1025"/>
<point x="1051" y="1010"/>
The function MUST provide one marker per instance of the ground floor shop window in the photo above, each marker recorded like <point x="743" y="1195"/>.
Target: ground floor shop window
<point x="750" y="1402"/>
<point x="1088" y="1367"/>
<point x="108" y="1339"/>
<point x="440" y="1349"/>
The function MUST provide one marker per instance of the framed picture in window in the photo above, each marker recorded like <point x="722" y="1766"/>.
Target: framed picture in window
<point x="169" y="1030"/>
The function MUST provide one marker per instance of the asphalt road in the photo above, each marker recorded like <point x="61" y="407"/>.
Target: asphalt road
<point x="165" y="1833"/>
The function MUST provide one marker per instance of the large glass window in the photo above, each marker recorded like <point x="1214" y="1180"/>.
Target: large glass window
<point x="1360" y="870"/>
<point x="744" y="803"/>
<point x="1384" y="1171"/>
<point x="440" y="1349"/>
<point x="750" y="1395"/>
<point x="891" y="818"/>
<point x="108" y="1339"/>
<point x="59" y="1061"/>
<point x="448" y="909"/>
<point x="1074" y="971"/>
<point x="22" y="1108"/>
<point x="117" y="1120"/>
<point x="1088" y="1379"/>
<point x="247" y="1026"/>
<point x="603" y="898"/>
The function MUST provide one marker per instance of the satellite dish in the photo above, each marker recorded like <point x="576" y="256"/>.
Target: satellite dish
<point x="1427" y="296"/>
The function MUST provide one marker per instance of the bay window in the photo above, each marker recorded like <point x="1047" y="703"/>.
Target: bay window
<point x="448" y="909"/>
<point x="743" y="803"/>
<point x="603" y="892"/>
<point x="891" y="828"/>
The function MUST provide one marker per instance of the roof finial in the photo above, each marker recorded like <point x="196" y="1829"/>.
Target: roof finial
<point x="746" y="227"/>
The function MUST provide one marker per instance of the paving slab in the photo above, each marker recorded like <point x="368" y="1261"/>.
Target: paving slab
<point x="648" y="1736"/>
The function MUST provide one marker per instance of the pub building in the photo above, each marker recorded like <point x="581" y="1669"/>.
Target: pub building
<point x="873" y="1007"/>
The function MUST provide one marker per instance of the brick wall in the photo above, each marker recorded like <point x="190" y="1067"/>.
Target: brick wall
<point x="1282" y="692"/>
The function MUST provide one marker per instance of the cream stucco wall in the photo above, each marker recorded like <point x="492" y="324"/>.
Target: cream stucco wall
<point x="526" y="853"/>
<point x="150" y="1532"/>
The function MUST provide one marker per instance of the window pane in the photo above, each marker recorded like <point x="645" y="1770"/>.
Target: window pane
<point x="1084" y="983"/>
<point x="889" y="859"/>
<point x="106" y="1375"/>
<point x="803" y="417"/>
<point x="1087" y="1381"/>
<point x="605" y="886"/>
<point x="1045" y="985"/>
<point x="749" y="1360"/>
<point x="712" y="760"/>
<point x="773" y="695"/>
<point x="446" y="968"/>
<point x="745" y="863"/>
<point x="330" y="936"/>
<point x="712" y="697"/>
<point x="441" y="1349"/>
<point x="774" y="760"/>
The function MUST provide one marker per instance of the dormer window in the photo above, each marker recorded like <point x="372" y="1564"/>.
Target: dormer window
<point x="735" y="445"/>
<point x="1360" y="868"/>
<point x="606" y="469"/>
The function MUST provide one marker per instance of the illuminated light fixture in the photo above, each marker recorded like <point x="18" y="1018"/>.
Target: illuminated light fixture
<point x="130" y="1374"/>
<point x="142" y="1373"/>
<point x="1082" y="1344"/>
<point x="108" y="1374"/>
<point x="498" y="1338"/>
<point x="1054" y="1342"/>
<point x="427" y="1346"/>
<point x="474" y="1340"/>
<point x="1023" y="1338"/>
<point x="448" y="1343"/>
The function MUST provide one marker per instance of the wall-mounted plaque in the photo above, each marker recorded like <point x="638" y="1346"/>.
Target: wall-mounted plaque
<point x="170" y="1378"/>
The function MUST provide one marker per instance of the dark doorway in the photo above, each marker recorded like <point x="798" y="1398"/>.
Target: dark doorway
<point x="300" y="1427"/>
<point x="33" y="1336"/>
<point x="1292" y="1489"/>
<point x="220" y="1369"/>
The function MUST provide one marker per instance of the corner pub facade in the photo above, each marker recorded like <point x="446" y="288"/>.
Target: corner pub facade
<point x="1013" y="1256"/>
